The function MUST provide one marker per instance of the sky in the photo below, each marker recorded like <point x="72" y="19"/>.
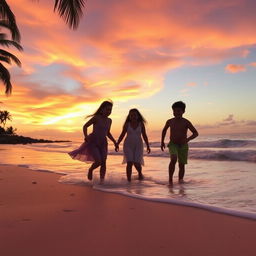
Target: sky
<point x="138" y="53"/>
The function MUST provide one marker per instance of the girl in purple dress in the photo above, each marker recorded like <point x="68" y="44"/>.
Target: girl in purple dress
<point x="95" y="146"/>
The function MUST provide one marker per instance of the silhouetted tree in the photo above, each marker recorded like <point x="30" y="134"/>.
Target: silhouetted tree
<point x="4" y="116"/>
<point x="10" y="130"/>
<point x="70" y="10"/>
<point x="7" y="21"/>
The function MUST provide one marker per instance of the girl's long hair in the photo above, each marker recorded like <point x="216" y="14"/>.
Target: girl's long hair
<point x="141" y="119"/>
<point x="104" y="104"/>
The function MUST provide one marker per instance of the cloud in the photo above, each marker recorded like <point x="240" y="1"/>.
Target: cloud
<point x="230" y="118"/>
<point x="233" y="68"/>
<point x="191" y="84"/>
<point x="228" y="125"/>
<point x="121" y="50"/>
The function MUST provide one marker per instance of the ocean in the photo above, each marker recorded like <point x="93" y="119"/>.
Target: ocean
<point x="220" y="175"/>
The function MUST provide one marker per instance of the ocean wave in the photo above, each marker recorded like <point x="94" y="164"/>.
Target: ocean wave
<point x="223" y="143"/>
<point x="226" y="155"/>
<point x="219" y="155"/>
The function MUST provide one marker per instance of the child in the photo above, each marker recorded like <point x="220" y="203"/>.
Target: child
<point x="95" y="146"/>
<point x="178" y="145"/>
<point x="133" y="144"/>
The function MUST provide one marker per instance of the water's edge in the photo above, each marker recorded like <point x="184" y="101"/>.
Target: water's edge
<point x="234" y="213"/>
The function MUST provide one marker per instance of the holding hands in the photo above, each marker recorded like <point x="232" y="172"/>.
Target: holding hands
<point x="116" y="147"/>
<point x="162" y="146"/>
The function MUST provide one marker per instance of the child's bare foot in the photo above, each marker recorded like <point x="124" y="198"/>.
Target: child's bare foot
<point x="170" y="182"/>
<point x="141" y="177"/>
<point x="181" y="181"/>
<point x="89" y="175"/>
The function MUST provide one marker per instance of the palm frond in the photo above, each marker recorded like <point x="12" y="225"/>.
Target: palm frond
<point x="2" y="35"/>
<point x="10" y="56"/>
<point x="5" y="59"/>
<point x="5" y="77"/>
<point x="11" y="43"/>
<point x="70" y="11"/>
<point x="7" y="15"/>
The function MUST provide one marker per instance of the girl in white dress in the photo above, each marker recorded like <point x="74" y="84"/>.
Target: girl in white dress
<point x="134" y="127"/>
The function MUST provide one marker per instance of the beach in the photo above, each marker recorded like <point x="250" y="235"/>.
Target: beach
<point x="40" y="216"/>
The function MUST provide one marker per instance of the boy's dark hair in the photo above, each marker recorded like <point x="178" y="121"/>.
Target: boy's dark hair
<point x="179" y="104"/>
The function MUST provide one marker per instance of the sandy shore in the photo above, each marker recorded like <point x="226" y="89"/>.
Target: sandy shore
<point x="39" y="216"/>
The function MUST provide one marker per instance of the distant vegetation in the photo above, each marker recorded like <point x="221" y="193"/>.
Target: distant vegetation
<point x="4" y="117"/>
<point x="8" y="134"/>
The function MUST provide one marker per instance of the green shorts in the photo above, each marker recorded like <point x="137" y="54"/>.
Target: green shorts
<point x="181" y="151"/>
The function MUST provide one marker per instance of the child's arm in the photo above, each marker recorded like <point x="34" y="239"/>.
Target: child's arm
<point x="86" y="125"/>
<point x="109" y="135"/>
<point x="167" y="125"/>
<point x="193" y="130"/>
<point x="124" y="131"/>
<point x="145" y="137"/>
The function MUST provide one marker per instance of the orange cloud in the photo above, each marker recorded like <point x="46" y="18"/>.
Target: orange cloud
<point x="233" y="68"/>
<point x="122" y="50"/>
<point x="191" y="84"/>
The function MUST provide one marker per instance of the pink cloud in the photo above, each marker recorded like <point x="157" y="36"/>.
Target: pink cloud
<point x="191" y="84"/>
<point x="230" y="118"/>
<point x="234" y="68"/>
<point x="121" y="49"/>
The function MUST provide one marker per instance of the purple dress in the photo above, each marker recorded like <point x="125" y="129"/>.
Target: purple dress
<point x="96" y="146"/>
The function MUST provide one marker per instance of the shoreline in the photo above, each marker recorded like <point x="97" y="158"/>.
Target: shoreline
<point x="206" y="207"/>
<point x="41" y="216"/>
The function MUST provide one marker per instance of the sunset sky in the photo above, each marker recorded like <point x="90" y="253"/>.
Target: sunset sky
<point x="139" y="53"/>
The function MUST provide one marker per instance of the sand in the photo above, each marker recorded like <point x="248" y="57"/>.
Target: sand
<point x="39" y="216"/>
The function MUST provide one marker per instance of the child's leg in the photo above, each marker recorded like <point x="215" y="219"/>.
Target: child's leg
<point x="139" y="169"/>
<point x="172" y="168"/>
<point x="182" y="158"/>
<point x="93" y="166"/>
<point x="181" y="172"/>
<point x="102" y="170"/>
<point x="129" y="170"/>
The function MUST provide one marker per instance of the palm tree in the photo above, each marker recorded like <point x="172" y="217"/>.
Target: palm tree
<point x="8" y="21"/>
<point x="10" y="130"/>
<point x="4" y="116"/>
<point x="70" y="10"/>
<point x="7" y="57"/>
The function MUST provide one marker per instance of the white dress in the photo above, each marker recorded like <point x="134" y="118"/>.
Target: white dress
<point x="133" y="146"/>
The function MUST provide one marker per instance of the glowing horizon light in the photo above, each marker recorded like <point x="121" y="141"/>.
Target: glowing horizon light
<point x="152" y="54"/>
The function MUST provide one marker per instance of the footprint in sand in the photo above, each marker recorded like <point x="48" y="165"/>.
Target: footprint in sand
<point x="68" y="210"/>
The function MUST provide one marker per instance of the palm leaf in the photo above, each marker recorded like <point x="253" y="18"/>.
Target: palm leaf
<point x="70" y="11"/>
<point x="7" y="15"/>
<point x="5" y="77"/>
<point x="12" y="43"/>
<point x="5" y="59"/>
<point x="10" y="56"/>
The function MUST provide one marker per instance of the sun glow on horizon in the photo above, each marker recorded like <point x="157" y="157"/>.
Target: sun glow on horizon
<point x="149" y="56"/>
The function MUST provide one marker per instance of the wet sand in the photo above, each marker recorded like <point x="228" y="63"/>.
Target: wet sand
<point x="39" y="216"/>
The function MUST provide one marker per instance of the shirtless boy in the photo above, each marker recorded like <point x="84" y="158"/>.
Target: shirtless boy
<point x="178" y="145"/>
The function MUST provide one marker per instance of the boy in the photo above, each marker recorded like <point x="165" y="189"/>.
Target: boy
<point x="178" y="145"/>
